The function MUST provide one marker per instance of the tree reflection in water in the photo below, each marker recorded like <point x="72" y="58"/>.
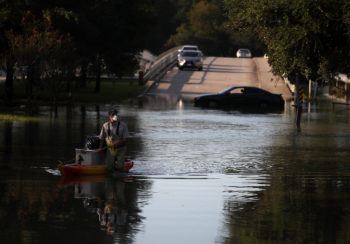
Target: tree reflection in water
<point x="76" y="209"/>
<point x="308" y="197"/>
<point x="294" y="209"/>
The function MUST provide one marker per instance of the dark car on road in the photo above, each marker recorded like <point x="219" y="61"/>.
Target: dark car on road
<point x="242" y="97"/>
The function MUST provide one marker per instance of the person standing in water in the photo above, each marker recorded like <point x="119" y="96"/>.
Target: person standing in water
<point x="114" y="134"/>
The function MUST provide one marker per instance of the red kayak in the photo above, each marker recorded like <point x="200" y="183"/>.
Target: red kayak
<point x="80" y="169"/>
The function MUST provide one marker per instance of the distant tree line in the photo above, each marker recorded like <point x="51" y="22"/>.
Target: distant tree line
<point x="55" y="45"/>
<point x="304" y="38"/>
<point x="206" y="23"/>
<point x="49" y="42"/>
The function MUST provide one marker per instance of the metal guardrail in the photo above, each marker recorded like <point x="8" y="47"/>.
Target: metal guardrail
<point x="163" y="63"/>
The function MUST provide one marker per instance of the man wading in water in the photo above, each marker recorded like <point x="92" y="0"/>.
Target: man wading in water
<point x="114" y="134"/>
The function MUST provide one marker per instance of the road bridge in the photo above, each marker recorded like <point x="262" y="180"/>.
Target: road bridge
<point x="219" y="73"/>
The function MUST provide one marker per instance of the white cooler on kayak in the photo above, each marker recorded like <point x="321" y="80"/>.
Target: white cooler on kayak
<point x="89" y="157"/>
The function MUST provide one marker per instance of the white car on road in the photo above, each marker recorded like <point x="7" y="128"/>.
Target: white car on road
<point x="188" y="48"/>
<point x="190" y="59"/>
<point x="243" y="53"/>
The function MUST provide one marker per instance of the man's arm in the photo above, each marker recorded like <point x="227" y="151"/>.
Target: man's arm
<point x="102" y="137"/>
<point x="124" y="136"/>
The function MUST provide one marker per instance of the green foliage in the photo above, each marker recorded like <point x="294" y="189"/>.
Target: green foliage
<point x="306" y="37"/>
<point x="202" y="27"/>
<point x="19" y="118"/>
<point x="53" y="42"/>
<point x="205" y="24"/>
<point x="107" y="29"/>
<point x="50" y="41"/>
<point x="112" y="90"/>
<point x="163" y="24"/>
<point x="42" y="54"/>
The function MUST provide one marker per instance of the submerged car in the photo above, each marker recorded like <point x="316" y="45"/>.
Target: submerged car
<point x="190" y="59"/>
<point x="242" y="97"/>
<point x="243" y="53"/>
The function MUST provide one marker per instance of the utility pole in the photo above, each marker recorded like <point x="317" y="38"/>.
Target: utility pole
<point x="299" y="106"/>
<point x="298" y="101"/>
<point x="310" y="89"/>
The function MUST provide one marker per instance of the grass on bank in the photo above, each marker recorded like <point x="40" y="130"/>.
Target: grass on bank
<point x="18" y="118"/>
<point x="111" y="91"/>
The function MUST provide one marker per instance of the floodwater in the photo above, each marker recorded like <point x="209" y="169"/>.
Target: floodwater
<point x="200" y="176"/>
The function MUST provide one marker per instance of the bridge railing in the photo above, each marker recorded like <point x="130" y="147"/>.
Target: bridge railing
<point x="161" y="65"/>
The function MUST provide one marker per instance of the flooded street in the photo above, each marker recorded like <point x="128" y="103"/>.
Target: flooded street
<point x="200" y="176"/>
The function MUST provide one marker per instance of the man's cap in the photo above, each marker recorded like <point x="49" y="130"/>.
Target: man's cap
<point x="112" y="112"/>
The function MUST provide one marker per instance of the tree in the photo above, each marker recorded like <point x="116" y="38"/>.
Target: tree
<point x="98" y="33"/>
<point x="305" y="37"/>
<point x="9" y="20"/>
<point x="202" y="25"/>
<point x="105" y="31"/>
<point x="41" y="53"/>
<point x="205" y="24"/>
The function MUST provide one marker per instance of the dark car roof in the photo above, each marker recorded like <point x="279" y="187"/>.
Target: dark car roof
<point x="248" y="89"/>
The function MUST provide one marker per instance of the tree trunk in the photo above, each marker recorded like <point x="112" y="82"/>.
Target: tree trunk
<point x="98" y="75"/>
<point x="83" y="75"/>
<point x="30" y="81"/>
<point x="7" y="147"/>
<point x="9" y="80"/>
<point x="70" y="80"/>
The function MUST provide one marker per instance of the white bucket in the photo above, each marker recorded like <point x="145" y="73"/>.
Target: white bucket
<point x="89" y="157"/>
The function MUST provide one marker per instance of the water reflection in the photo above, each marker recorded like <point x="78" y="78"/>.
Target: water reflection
<point x="7" y="142"/>
<point x="295" y="209"/>
<point x="160" y="102"/>
<point x="307" y="200"/>
<point x="86" y="208"/>
<point x="113" y="202"/>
